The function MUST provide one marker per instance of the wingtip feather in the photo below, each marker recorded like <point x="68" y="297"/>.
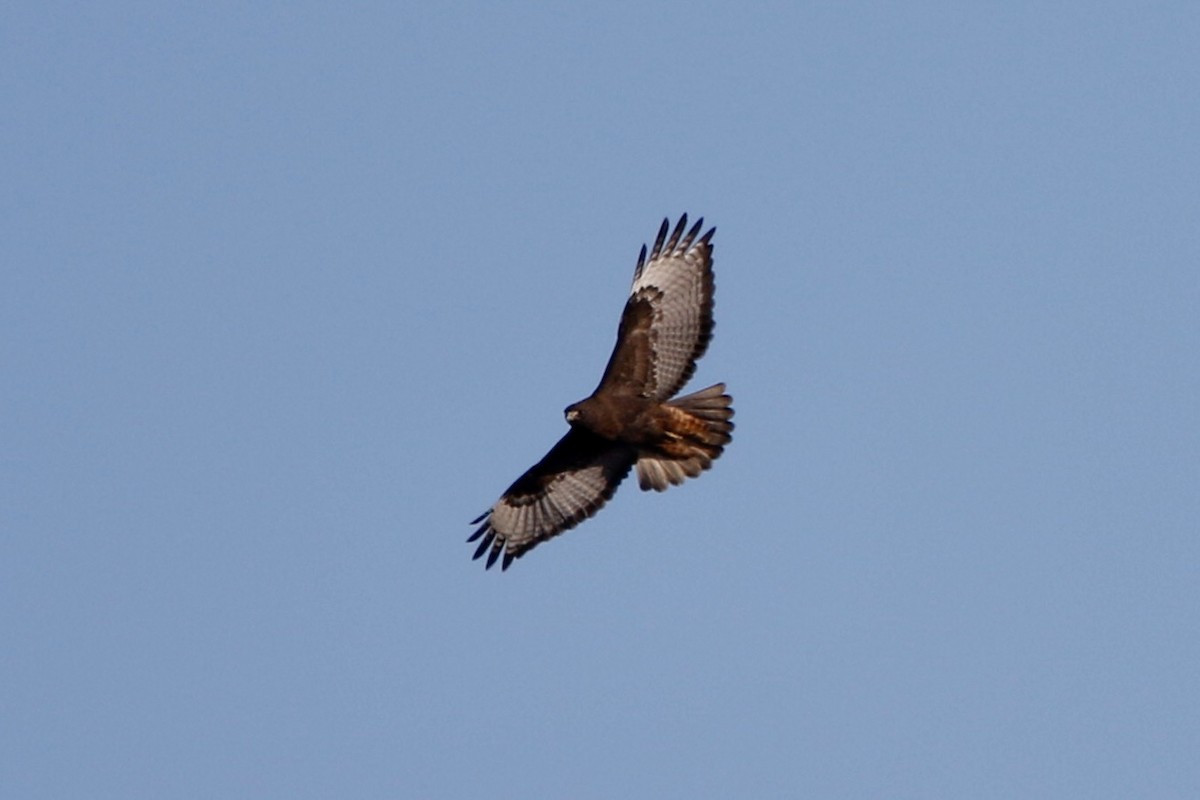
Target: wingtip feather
<point x="676" y="234"/>
<point x="484" y="545"/>
<point x="479" y="532"/>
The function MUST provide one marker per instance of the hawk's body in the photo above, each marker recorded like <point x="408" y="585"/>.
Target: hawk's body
<point x="630" y="419"/>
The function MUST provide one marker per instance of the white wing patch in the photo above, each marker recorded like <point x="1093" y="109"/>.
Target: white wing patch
<point x="677" y="280"/>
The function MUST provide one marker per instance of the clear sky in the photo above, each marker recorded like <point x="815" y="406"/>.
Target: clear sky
<point x="291" y="291"/>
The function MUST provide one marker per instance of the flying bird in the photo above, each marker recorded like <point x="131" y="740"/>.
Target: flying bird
<point x="633" y="417"/>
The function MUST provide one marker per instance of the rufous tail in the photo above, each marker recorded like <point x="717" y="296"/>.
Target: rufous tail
<point x="700" y="428"/>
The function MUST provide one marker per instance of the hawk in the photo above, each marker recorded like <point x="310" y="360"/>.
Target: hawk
<point x="633" y="417"/>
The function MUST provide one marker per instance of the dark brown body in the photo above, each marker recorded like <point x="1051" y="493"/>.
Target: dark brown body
<point x="691" y="430"/>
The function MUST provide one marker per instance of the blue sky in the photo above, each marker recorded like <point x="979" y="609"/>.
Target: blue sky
<point x="291" y="292"/>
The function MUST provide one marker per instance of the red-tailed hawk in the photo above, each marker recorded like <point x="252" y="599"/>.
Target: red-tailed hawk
<point x="631" y="418"/>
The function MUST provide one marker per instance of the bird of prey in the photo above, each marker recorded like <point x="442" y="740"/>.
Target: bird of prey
<point x="633" y="417"/>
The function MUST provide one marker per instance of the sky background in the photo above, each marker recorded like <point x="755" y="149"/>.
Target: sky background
<point x="292" y="291"/>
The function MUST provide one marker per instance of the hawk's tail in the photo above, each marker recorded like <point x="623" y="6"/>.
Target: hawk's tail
<point x="700" y="429"/>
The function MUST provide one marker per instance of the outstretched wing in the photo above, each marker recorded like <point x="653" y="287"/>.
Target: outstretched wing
<point x="567" y="486"/>
<point x="668" y="319"/>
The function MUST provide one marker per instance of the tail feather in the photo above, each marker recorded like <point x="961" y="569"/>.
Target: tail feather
<point x="704" y="431"/>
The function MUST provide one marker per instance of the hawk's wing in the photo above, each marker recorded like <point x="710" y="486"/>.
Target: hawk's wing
<point x="567" y="486"/>
<point x="668" y="319"/>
